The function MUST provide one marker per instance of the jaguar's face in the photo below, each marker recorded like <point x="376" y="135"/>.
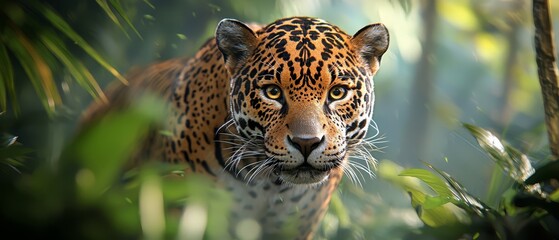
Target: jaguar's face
<point x="301" y="93"/>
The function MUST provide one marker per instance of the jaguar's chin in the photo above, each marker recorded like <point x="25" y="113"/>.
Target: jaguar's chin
<point x="304" y="174"/>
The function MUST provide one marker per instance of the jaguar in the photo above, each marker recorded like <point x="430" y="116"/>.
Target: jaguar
<point x="272" y="113"/>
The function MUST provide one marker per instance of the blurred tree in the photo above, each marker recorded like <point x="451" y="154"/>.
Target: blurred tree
<point x="413" y="143"/>
<point x="510" y="78"/>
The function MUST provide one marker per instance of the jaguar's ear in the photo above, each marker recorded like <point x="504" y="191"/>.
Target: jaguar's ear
<point x="371" y="42"/>
<point x="236" y="41"/>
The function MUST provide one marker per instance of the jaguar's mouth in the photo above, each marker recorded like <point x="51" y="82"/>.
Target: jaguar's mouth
<point x="305" y="174"/>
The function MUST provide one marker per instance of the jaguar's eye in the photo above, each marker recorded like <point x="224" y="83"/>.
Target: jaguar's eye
<point x="337" y="93"/>
<point x="272" y="92"/>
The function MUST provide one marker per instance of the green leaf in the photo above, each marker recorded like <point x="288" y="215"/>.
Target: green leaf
<point x="149" y="17"/>
<point x="102" y="152"/>
<point x="103" y="148"/>
<point x="476" y="235"/>
<point x="433" y="211"/>
<point x="181" y="36"/>
<point x="12" y="154"/>
<point x="463" y="198"/>
<point x="34" y="67"/>
<point x="435" y="216"/>
<point x="72" y="64"/>
<point x="433" y="202"/>
<point x="63" y="27"/>
<point x="105" y="6"/>
<point x="512" y="161"/>
<point x="521" y="167"/>
<point x="433" y="181"/>
<point x="116" y="5"/>
<point x="38" y="52"/>
<point x="489" y="143"/>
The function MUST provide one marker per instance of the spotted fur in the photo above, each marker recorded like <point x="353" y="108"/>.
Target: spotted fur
<point x="272" y="113"/>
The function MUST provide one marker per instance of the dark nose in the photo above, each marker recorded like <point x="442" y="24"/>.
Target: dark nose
<point x="305" y="145"/>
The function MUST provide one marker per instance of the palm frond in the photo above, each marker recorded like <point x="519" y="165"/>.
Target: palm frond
<point x="76" y="68"/>
<point x="34" y="65"/>
<point x="59" y="23"/>
<point x="37" y="39"/>
<point x="117" y="6"/>
<point x="12" y="155"/>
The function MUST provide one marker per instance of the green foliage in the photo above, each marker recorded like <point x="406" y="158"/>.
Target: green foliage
<point x="86" y="194"/>
<point x="120" y="10"/>
<point x="94" y="149"/>
<point x="38" y="39"/>
<point x="512" y="161"/>
<point x="434" y="210"/>
<point x="526" y="209"/>
<point x="12" y="155"/>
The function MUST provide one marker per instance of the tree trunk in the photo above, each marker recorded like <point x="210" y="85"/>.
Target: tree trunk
<point x="416" y="129"/>
<point x="547" y="72"/>
<point x="510" y="78"/>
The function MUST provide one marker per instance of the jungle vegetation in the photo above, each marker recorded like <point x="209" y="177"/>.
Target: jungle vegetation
<point x="466" y="113"/>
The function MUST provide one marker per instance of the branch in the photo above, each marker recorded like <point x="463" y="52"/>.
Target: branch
<point x="547" y="72"/>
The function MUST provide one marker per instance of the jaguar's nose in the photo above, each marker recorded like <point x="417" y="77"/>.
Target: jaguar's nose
<point x="305" y="145"/>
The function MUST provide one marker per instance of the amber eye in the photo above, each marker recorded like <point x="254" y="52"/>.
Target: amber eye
<point x="272" y="92"/>
<point x="337" y="93"/>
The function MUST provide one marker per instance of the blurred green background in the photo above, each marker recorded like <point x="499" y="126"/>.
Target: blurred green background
<point x="449" y="62"/>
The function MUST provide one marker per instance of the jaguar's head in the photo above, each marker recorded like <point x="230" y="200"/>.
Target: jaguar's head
<point x="301" y="94"/>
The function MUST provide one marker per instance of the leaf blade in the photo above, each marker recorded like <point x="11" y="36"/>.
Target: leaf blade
<point x="512" y="161"/>
<point x="35" y="68"/>
<point x="105" y="6"/>
<point x="120" y="10"/>
<point x="63" y="27"/>
<point x="433" y="181"/>
<point x="80" y="73"/>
